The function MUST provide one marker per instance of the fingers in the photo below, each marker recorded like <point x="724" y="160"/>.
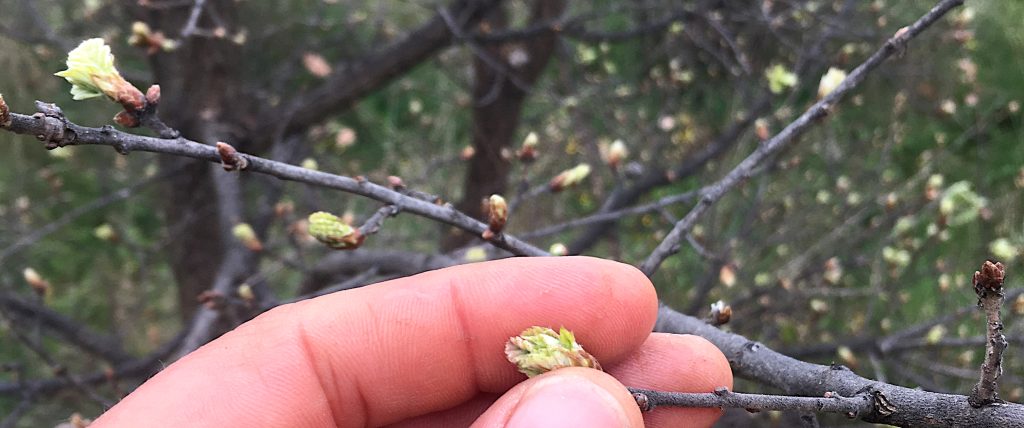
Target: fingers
<point x="681" y="363"/>
<point x="388" y="352"/>
<point x="562" y="398"/>
<point x="664" y="362"/>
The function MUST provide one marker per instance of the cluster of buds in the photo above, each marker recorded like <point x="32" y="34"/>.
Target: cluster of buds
<point x="497" y="216"/>
<point x="153" y="42"/>
<point x="528" y="152"/>
<point x="334" y="232"/>
<point x="569" y="177"/>
<point x="247" y="236"/>
<point x="539" y="350"/>
<point x="989" y="279"/>
<point x="92" y="74"/>
<point x="230" y="159"/>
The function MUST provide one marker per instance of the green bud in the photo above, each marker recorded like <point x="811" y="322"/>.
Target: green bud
<point x="539" y="350"/>
<point x="334" y="232"/>
<point x="780" y="78"/>
<point x="92" y="74"/>
<point x="244" y="233"/>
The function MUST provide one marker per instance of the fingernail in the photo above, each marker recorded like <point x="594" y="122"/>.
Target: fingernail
<point x="562" y="401"/>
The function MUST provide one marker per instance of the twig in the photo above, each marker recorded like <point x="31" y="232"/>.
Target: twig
<point x="894" y="405"/>
<point x="59" y="132"/>
<point x="712" y="193"/>
<point x="193" y="19"/>
<point x="988" y="284"/>
<point x="723" y="398"/>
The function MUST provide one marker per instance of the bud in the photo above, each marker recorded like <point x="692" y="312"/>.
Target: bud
<point x="334" y="232"/>
<point x="144" y="37"/>
<point x="720" y="314"/>
<point x="615" y="154"/>
<point x="779" y="78"/>
<point x="558" y="249"/>
<point x="127" y="119"/>
<point x="36" y="281"/>
<point x="989" y="278"/>
<point x="539" y="350"/>
<point x="230" y="159"/>
<point x="92" y="74"/>
<point x="528" y="152"/>
<point x="830" y="81"/>
<point x="5" y="113"/>
<point x="244" y="233"/>
<point x="569" y="177"/>
<point x="153" y="94"/>
<point x="761" y="129"/>
<point x="497" y="213"/>
<point x="105" y="232"/>
<point x="310" y="163"/>
<point x="467" y="153"/>
<point x="246" y="293"/>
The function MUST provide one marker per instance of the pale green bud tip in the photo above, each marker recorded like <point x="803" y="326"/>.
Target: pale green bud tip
<point x="331" y="230"/>
<point x="830" y="81"/>
<point x="780" y="78"/>
<point x="244" y="233"/>
<point x="91" y="71"/>
<point x="539" y="350"/>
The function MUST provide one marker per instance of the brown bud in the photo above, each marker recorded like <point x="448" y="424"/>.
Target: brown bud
<point x="990" y="278"/>
<point x="126" y="119"/>
<point x="153" y="94"/>
<point x="230" y="159"/>
<point x="395" y="182"/>
<point x="5" y="113"/>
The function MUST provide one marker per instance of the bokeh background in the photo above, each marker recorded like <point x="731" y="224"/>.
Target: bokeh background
<point x="871" y="225"/>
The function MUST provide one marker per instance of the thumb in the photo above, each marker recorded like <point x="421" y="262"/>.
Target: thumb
<point x="565" y="397"/>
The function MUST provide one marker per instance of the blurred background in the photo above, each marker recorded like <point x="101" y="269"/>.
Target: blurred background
<point x="854" y="246"/>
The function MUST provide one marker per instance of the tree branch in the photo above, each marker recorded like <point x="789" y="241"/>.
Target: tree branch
<point x="59" y="132"/>
<point x="713" y="193"/>
<point x="894" y="405"/>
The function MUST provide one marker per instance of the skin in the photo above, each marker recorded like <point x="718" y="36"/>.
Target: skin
<point x="428" y="351"/>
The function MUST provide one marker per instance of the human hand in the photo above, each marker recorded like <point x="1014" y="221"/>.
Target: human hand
<point x="428" y="351"/>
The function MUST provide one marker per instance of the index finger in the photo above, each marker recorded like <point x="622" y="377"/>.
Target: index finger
<point x="395" y="350"/>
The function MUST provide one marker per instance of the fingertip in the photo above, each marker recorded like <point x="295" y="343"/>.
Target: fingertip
<point x="565" y="397"/>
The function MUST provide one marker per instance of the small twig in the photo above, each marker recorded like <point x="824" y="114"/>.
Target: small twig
<point x="59" y="132"/>
<point x="988" y="284"/>
<point x="372" y="224"/>
<point x="193" y="19"/>
<point x="723" y="398"/>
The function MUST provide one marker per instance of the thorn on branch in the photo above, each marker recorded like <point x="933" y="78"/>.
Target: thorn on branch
<point x="230" y="159"/>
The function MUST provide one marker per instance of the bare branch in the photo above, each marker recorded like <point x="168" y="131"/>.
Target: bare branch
<point x="59" y="132"/>
<point x="711" y="194"/>
<point x="723" y="398"/>
<point x="903" y="406"/>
